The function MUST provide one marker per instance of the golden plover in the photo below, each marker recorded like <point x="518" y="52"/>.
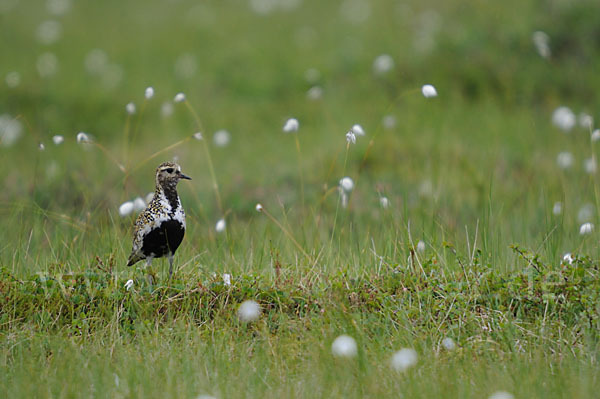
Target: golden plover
<point x="159" y="229"/>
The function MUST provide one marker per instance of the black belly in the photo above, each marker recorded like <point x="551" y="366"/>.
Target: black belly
<point x="163" y="239"/>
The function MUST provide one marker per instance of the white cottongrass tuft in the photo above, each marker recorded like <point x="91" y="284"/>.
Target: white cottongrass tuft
<point x="149" y="197"/>
<point x="41" y="147"/>
<point x="83" y="138"/>
<point x="358" y="130"/>
<point x="221" y="138"/>
<point x="47" y="64"/>
<point x="49" y="32"/>
<point x="590" y="165"/>
<point x="58" y="139"/>
<point x="586" y="228"/>
<point x="351" y="137"/>
<point x="58" y="7"/>
<point x="347" y="184"/>
<point x="389" y="122"/>
<point x="383" y="64"/>
<point x="126" y="208"/>
<point x="344" y="346"/>
<point x="421" y="246"/>
<point x="139" y="204"/>
<point x="563" y="118"/>
<point x="248" y="311"/>
<point x="10" y="130"/>
<point x="595" y="135"/>
<point x="568" y="258"/>
<point x="557" y="208"/>
<point x="564" y="159"/>
<point x="128" y="285"/>
<point x="227" y="279"/>
<point x="501" y="395"/>
<point x="586" y="121"/>
<point x="404" y="359"/>
<point x="149" y="92"/>
<point x="198" y="136"/>
<point x="448" y="344"/>
<point x="429" y="91"/>
<point x="179" y="98"/>
<point x="166" y="109"/>
<point x="13" y="79"/>
<point x="314" y="93"/>
<point x="259" y="208"/>
<point x="130" y="108"/>
<point x="384" y="202"/>
<point x="541" y="41"/>
<point x="585" y="213"/>
<point x="291" y="125"/>
<point x="220" y="226"/>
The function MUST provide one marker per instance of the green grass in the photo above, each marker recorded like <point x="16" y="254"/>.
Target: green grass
<point x="471" y="173"/>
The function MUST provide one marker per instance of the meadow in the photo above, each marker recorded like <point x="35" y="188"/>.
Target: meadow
<point x="461" y="227"/>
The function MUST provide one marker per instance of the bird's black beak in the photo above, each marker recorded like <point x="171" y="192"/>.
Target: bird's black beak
<point x="182" y="176"/>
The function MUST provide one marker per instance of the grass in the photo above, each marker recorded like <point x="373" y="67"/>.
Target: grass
<point x="472" y="174"/>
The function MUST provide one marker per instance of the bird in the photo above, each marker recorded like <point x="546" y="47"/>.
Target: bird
<point x="159" y="229"/>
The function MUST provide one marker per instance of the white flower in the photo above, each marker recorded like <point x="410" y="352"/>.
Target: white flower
<point x="344" y="346"/>
<point x="586" y="228"/>
<point x="249" y="311"/>
<point x="49" y="32"/>
<point x="227" y="279"/>
<point x="96" y="61"/>
<point x="429" y="91"/>
<point x="501" y="395"/>
<point x="41" y="147"/>
<point x="314" y="93"/>
<point x="220" y="226"/>
<point x="58" y="139"/>
<point x="179" y="97"/>
<point x="291" y="125"/>
<point x="149" y="92"/>
<point x="166" y="109"/>
<point x="259" y="208"/>
<point x="568" y="258"/>
<point x="149" y="197"/>
<point x="221" y="138"/>
<point x="448" y="344"/>
<point x="385" y="203"/>
<point x="404" y="359"/>
<point x="83" y="137"/>
<point x="590" y="165"/>
<point x="563" y="118"/>
<point x="358" y="130"/>
<point x="541" y="41"/>
<point x="10" y="130"/>
<point x="564" y="159"/>
<point x="58" y="7"/>
<point x="198" y="136"/>
<point x="389" y="122"/>
<point x="47" y="64"/>
<point x="139" y="204"/>
<point x="351" y="137"/>
<point x="130" y="108"/>
<point x="13" y="79"/>
<point x="596" y="135"/>
<point x="347" y="184"/>
<point x="420" y="246"/>
<point x="586" y="121"/>
<point x="126" y="208"/>
<point x="585" y="213"/>
<point x="382" y="64"/>
<point x="557" y="208"/>
<point x="128" y="286"/>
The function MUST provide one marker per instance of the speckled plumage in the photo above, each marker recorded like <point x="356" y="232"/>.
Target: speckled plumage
<point x="160" y="228"/>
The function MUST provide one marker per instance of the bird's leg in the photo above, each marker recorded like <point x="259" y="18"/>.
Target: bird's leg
<point x="150" y="273"/>
<point x="170" y="265"/>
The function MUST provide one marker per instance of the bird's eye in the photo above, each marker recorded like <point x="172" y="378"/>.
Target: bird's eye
<point x="169" y="170"/>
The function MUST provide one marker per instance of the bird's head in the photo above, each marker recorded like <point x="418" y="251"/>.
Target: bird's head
<point x="168" y="175"/>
